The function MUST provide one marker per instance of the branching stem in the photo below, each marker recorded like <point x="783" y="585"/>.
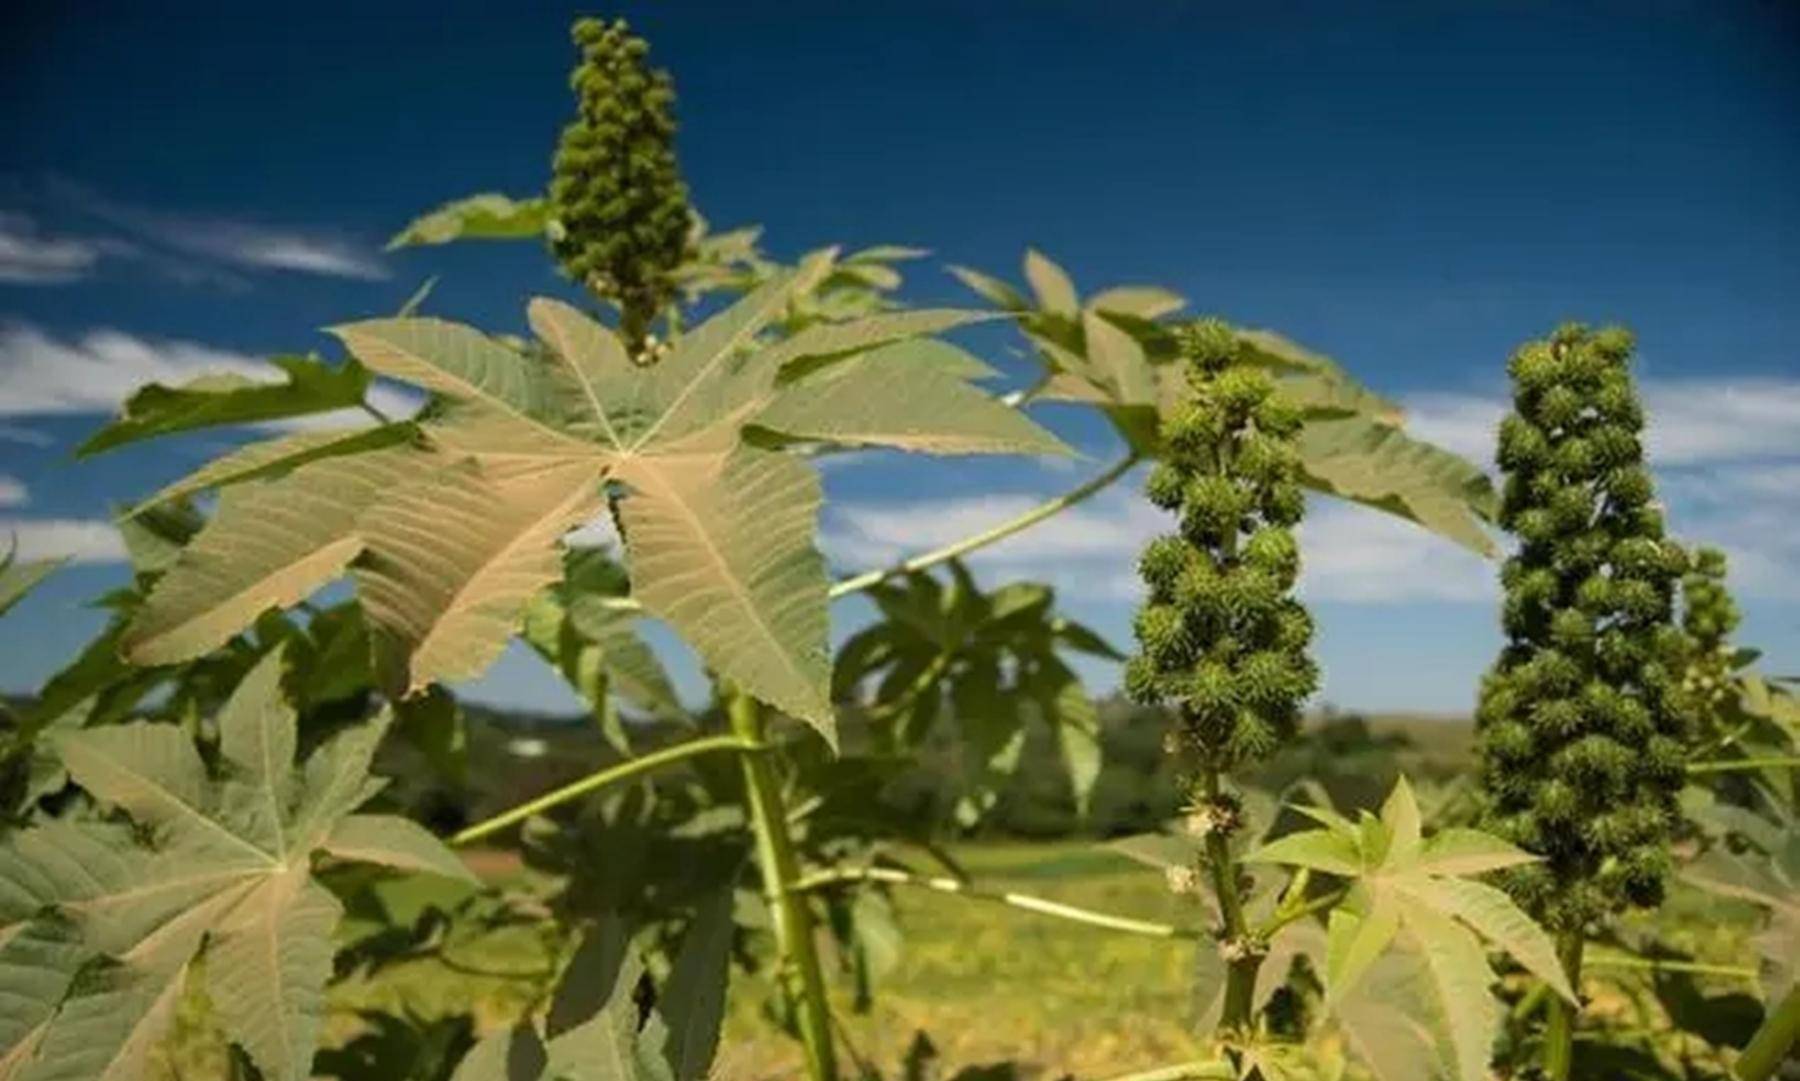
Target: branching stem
<point x="1042" y="906"/>
<point x="1240" y="972"/>
<point x="593" y="782"/>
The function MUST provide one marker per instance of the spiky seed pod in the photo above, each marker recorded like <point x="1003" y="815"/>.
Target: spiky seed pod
<point x="616" y="190"/>
<point x="1577" y="714"/>
<point x="1709" y="617"/>
<point x="1220" y="640"/>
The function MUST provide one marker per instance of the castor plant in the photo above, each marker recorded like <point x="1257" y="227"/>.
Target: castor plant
<point x="1582" y="718"/>
<point x="1222" y="642"/>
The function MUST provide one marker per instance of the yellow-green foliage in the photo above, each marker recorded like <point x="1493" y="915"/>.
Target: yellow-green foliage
<point x="1221" y="639"/>
<point x="616" y="192"/>
<point x="1582" y="717"/>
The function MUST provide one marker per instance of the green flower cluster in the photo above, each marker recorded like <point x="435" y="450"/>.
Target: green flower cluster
<point x="1709" y="616"/>
<point x="1581" y="720"/>
<point x="1221" y="639"/>
<point x="616" y="193"/>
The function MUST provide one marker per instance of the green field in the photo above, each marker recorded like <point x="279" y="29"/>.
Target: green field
<point x="984" y="982"/>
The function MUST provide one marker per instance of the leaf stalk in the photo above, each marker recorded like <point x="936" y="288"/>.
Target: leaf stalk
<point x="593" y="782"/>
<point x="1029" y="903"/>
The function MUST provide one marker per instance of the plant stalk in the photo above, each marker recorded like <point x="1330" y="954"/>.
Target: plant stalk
<point x="1599" y="957"/>
<point x="986" y="537"/>
<point x="1027" y="902"/>
<point x="1769" y="1047"/>
<point x="624" y="771"/>
<point x="1559" y="1031"/>
<point x="788" y="906"/>
<point x="1240" y="971"/>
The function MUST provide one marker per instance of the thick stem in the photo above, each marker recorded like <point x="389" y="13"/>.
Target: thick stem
<point x="1042" y="906"/>
<point x="1559" y="1032"/>
<point x="1769" y="1048"/>
<point x="1240" y="972"/>
<point x="799" y="955"/>
<point x="1601" y="957"/>
<point x="624" y="771"/>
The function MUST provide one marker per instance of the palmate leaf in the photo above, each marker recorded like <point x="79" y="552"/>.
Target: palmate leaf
<point x="451" y="539"/>
<point x="1410" y="891"/>
<point x="1109" y="353"/>
<point x="594" y="644"/>
<point x="594" y="1032"/>
<point x="1773" y="883"/>
<point x="488" y="216"/>
<point x="224" y="861"/>
<point x="312" y="386"/>
<point x="276" y="456"/>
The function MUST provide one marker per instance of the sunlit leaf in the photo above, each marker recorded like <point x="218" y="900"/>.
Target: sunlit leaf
<point x="208" y="401"/>
<point x="488" y="216"/>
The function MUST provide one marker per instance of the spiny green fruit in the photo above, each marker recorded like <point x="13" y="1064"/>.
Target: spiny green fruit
<point x="1221" y="640"/>
<point x="1708" y="617"/>
<point x="616" y="192"/>
<point x="1582" y="718"/>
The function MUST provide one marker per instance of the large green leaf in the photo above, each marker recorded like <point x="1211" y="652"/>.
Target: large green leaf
<point x="312" y="386"/>
<point x="1408" y="892"/>
<point x="451" y="540"/>
<point x="274" y="457"/>
<point x="692" y="1002"/>
<point x="224" y="861"/>
<point x="488" y="216"/>
<point x="1772" y="883"/>
<point x="270" y="545"/>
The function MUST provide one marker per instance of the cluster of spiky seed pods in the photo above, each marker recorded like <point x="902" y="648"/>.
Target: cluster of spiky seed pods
<point x="616" y="191"/>
<point x="1221" y="640"/>
<point x="1709" y="616"/>
<point x="1582" y="718"/>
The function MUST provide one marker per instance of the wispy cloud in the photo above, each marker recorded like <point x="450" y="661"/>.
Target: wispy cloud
<point x="30" y="257"/>
<point x="237" y="243"/>
<point x="83" y="540"/>
<point x="95" y="372"/>
<point x="188" y="246"/>
<point x="13" y="492"/>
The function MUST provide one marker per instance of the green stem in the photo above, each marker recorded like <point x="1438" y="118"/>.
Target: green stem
<point x="624" y="771"/>
<point x="1737" y="765"/>
<point x="1772" y="1042"/>
<point x="1240" y="972"/>
<point x="1203" y="1070"/>
<point x="1042" y="906"/>
<point x="1299" y="912"/>
<point x="986" y="537"/>
<point x="1049" y="508"/>
<point x="1599" y="957"/>
<point x="788" y="906"/>
<point x="1559" y="1033"/>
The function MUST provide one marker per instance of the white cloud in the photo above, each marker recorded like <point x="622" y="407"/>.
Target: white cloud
<point x="250" y="245"/>
<point x="40" y="374"/>
<point x="84" y="540"/>
<point x="13" y="492"/>
<point x="28" y="257"/>
<point x="1726" y="451"/>
<point x="1691" y="421"/>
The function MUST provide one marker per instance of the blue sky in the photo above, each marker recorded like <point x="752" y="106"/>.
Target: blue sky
<point x="1412" y="189"/>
